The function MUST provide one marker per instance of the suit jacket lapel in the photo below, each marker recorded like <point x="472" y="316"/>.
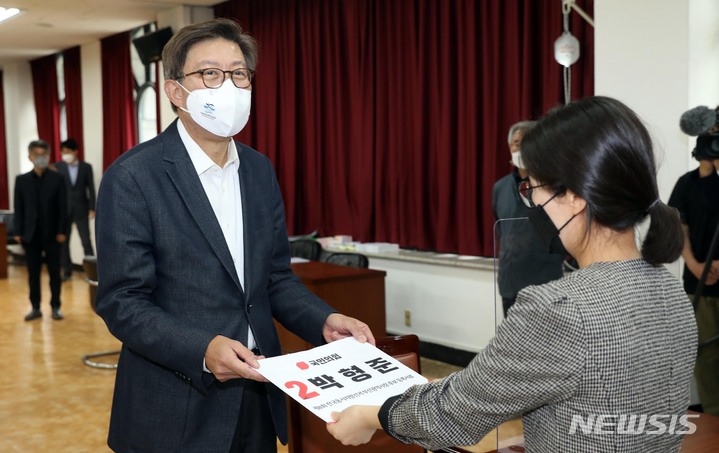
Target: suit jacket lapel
<point x="80" y="175"/>
<point x="64" y="170"/>
<point x="245" y="180"/>
<point x="183" y="175"/>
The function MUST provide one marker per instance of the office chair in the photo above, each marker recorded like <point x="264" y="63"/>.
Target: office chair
<point x="347" y="259"/>
<point x="15" y="251"/>
<point x="7" y="217"/>
<point x="308" y="249"/>
<point x="89" y="264"/>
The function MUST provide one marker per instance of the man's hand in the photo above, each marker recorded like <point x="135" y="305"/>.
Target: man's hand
<point x="91" y="214"/>
<point x="60" y="238"/>
<point x="339" y="326"/>
<point x="714" y="272"/>
<point x="697" y="268"/>
<point x="18" y="239"/>
<point x="355" y="425"/>
<point x="229" y="359"/>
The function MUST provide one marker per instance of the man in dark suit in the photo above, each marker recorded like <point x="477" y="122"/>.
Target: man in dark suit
<point x="523" y="259"/>
<point x="193" y="265"/>
<point x="41" y="224"/>
<point x="80" y="201"/>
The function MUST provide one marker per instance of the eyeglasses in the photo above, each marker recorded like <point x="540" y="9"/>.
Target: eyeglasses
<point x="526" y="190"/>
<point x="215" y="77"/>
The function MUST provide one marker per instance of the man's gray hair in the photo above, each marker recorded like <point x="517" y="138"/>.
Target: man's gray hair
<point x="522" y="126"/>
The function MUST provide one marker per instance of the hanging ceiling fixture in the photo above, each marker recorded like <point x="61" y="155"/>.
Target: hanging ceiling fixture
<point x="566" y="47"/>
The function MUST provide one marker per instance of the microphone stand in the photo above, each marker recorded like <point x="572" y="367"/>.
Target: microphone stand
<point x="702" y="281"/>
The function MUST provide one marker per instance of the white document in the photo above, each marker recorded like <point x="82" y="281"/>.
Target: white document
<point x="337" y="375"/>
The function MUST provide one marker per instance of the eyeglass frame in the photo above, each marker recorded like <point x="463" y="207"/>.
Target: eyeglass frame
<point x="525" y="186"/>
<point x="225" y="75"/>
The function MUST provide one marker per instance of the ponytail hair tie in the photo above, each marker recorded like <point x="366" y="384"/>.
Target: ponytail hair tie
<point x="651" y="206"/>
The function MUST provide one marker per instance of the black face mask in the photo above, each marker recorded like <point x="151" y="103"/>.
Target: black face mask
<point x="547" y="232"/>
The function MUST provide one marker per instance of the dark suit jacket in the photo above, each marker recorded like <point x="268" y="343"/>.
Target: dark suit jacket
<point x="81" y="195"/>
<point x="53" y="203"/>
<point x="167" y="286"/>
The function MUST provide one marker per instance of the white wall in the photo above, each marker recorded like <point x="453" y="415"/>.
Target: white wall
<point x="703" y="53"/>
<point x="20" y="120"/>
<point x="458" y="307"/>
<point x="660" y="57"/>
<point x="92" y="115"/>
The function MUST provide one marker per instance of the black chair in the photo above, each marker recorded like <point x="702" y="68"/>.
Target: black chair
<point x="13" y="248"/>
<point x="308" y="249"/>
<point x="89" y="264"/>
<point x="347" y="259"/>
<point x="7" y="217"/>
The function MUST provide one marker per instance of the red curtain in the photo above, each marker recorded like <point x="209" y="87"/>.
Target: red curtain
<point x="118" y="98"/>
<point x="4" y="195"/>
<point x="73" y="96"/>
<point x="47" y="102"/>
<point x="387" y="119"/>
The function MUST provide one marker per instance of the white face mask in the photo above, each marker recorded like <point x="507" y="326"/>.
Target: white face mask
<point x="41" y="161"/>
<point x="68" y="158"/>
<point x="517" y="160"/>
<point x="223" y="111"/>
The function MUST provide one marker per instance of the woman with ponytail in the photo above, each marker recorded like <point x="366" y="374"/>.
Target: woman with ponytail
<point x="613" y="343"/>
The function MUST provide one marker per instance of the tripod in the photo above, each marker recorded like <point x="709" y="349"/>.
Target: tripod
<point x="702" y="281"/>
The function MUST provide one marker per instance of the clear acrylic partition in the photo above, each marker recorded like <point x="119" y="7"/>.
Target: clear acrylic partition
<point x="508" y="437"/>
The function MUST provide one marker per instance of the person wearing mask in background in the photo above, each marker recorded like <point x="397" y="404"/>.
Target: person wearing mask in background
<point x="615" y="340"/>
<point x="523" y="260"/>
<point x="193" y="265"/>
<point x="696" y="196"/>
<point x="81" y="201"/>
<point x="40" y="202"/>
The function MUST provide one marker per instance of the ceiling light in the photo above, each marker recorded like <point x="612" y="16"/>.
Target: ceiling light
<point x="7" y="13"/>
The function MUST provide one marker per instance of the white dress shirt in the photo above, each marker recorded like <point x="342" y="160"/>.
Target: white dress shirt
<point x="72" y="170"/>
<point x="222" y="187"/>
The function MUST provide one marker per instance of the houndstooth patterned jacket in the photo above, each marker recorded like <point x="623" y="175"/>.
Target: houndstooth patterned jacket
<point x="615" y="339"/>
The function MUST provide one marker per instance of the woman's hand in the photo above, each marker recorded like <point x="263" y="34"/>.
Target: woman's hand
<point x="355" y="425"/>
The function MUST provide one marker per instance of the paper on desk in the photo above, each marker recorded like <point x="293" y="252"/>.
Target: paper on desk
<point x="337" y="375"/>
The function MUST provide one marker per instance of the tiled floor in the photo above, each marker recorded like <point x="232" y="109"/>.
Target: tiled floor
<point x="50" y="401"/>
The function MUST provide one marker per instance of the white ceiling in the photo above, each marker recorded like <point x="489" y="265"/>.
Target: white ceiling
<point x="48" y="26"/>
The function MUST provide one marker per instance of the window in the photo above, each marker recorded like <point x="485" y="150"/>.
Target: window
<point x="146" y="90"/>
<point x="60" y="68"/>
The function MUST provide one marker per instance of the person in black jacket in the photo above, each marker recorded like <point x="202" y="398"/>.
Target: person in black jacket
<point x="80" y="201"/>
<point x="41" y="224"/>
<point x="523" y="260"/>
<point x="696" y="197"/>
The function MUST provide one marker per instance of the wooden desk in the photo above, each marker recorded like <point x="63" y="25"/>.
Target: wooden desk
<point x="354" y="292"/>
<point x="3" y="251"/>
<point x="705" y="438"/>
